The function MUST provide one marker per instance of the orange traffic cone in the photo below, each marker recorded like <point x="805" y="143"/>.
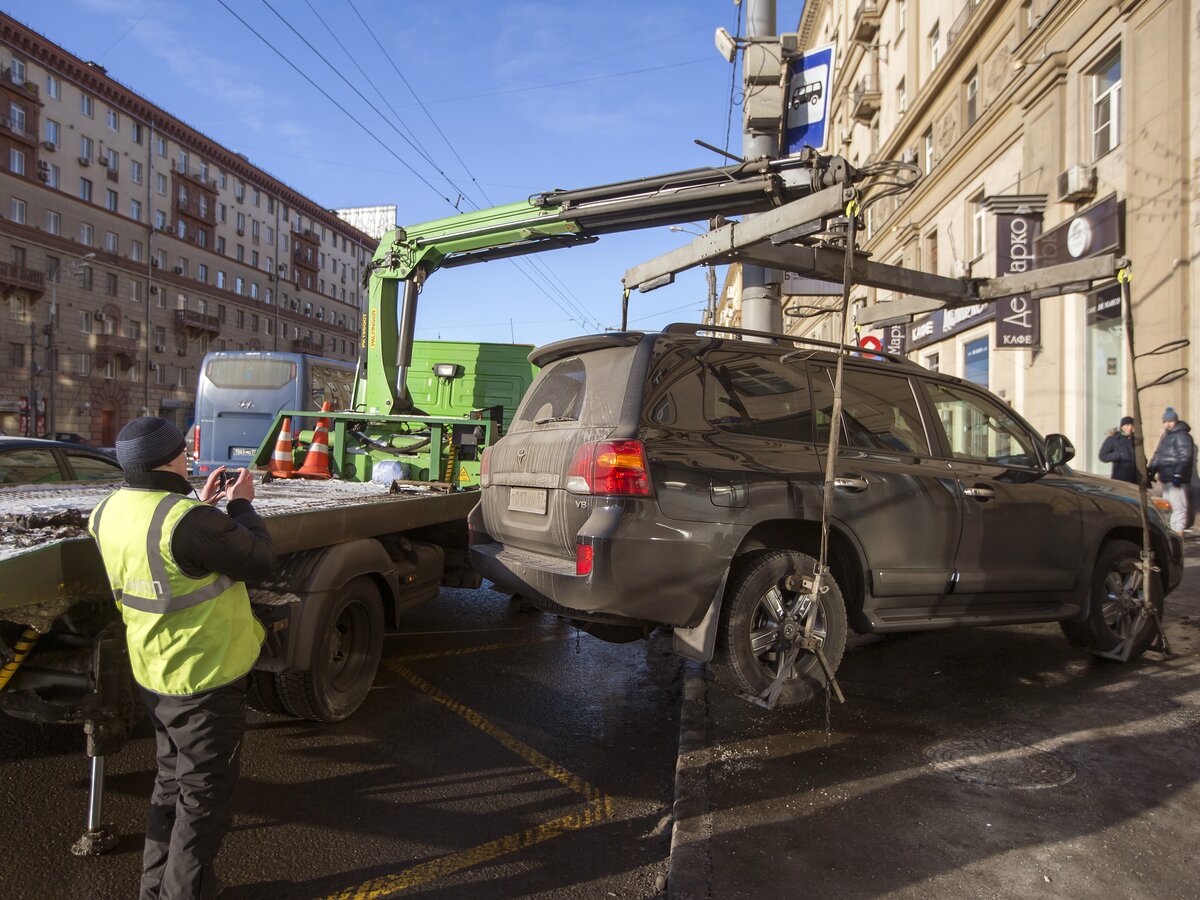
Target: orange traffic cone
<point x="281" y="459"/>
<point x="316" y="462"/>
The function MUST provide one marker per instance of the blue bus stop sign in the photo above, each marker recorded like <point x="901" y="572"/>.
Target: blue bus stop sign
<point x="806" y="105"/>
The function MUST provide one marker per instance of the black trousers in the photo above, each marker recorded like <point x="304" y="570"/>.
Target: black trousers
<point x="199" y="742"/>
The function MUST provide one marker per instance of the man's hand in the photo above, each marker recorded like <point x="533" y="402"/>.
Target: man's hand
<point x="212" y="492"/>
<point x="243" y="488"/>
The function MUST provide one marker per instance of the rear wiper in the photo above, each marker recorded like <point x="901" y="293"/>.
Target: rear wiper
<point x="554" y="419"/>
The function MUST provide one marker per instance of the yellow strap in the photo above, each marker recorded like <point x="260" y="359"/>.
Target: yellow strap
<point x="1124" y="276"/>
<point x="852" y="208"/>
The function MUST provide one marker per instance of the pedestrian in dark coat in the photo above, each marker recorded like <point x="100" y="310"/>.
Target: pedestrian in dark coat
<point x="1173" y="463"/>
<point x="1118" y="450"/>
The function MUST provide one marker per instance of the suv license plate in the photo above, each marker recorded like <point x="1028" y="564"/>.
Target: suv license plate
<point x="529" y="500"/>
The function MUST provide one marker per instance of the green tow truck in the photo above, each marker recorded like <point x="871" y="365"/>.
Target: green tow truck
<point x="389" y="528"/>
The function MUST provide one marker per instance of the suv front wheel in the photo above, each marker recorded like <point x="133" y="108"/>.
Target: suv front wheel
<point x="1114" y="607"/>
<point x="760" y="617"/>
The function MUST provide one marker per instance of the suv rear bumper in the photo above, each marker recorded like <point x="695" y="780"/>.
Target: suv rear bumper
<point x="632" y="580"/>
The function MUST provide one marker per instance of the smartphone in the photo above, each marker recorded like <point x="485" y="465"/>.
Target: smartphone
<point x="222" y="479"/>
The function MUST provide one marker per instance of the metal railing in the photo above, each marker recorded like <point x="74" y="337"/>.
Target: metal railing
<point x="960" y="22"/>
<point x="10" y="126"/>
<point x="19" y="276"/>
<point x="23" y="83"/>
<point x="186" y="318"/>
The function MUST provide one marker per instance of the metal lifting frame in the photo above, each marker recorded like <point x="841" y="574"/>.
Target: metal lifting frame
<point x="786" y="238"/>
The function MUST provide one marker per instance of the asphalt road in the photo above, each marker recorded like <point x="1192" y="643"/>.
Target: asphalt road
<point x="500" y="754"/>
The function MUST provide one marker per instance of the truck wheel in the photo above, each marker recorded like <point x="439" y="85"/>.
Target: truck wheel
<point x="1112" y="614"/>
<point x="264" y="693"/>
<point x="758" y="620"/>
<point x="349" y="645"/>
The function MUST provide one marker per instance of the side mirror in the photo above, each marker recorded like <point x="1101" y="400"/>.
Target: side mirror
<point x="1059" y="450"/>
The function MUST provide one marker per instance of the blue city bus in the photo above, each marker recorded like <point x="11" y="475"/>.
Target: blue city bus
<point x="241" y="391"/>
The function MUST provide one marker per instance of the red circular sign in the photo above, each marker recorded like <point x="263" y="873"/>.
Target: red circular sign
<point x="870" y="342"/>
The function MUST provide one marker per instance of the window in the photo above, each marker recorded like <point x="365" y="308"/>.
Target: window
<point x="180" y="229"/>
<point x="203" y="170"/>
<point x="160" y="257"/>
<point x="240" y="253"/>
<point x="53" y="222"/>
<point x="975" y="361"/>
<point x="16" y="355"/>
<point x="53" y="87"/>
<point x="16" y="309"/>
<point x="971" y="93"/>
<point x="180" y="376"/>
<point x="927" y="151"/>
<point x="160" y="183"/>
<point x="52" y="175"/>
<point x="135" y="132"/>
<point x="202" y="272"/>
<point x="220" y="244"/>
<point x="1106" y="105"/>
<point x="160" y="145"/>
<point x="182" y="166"/>
<point x="239" y="286"/>
<point x="86" y="106"/>
<point x="254" y="292"/>
<point x="220" y="279"/>
<point x="113" y="119"/>
<point x="901" y="98"/>
<point x="110" y="201"/>
<point x="202" y="237"/>
<point x="879" y="412"/>
<point x="18" y="211"/>
<point x="135" y="172"/>
<point x="760" y="397"/>
<point x="85" y="275"/>
<point x="981" y="430"/>
<point x="978" y="225"/>
<point x="241" y="318"/>
<point x="135" y="291"/>
<point x="254" y="258"/>
<point x="202" y="206"/>
<point x="110" y="284"/>
<point x="183" y="265"/>
<point x="85" y="189"/>
<point x="931" y="252"/>
<point x="933" y="362"/>
<point x="85" y="146"/>
<point x="53" y="132"/>
<point x="160" y="219"/>
<point x="268" y="323"/>
<point x="16" y="161"/>
<point x="87" y="234"/>
<point x="935" y="46"/>
<point x="111" y="241"/>
<point x="135" y="210"/>
<point x="901" y="16"/>
<point x="254" y="322"/>
<point x="135" y="251"/>
<point x="85" y="322"/>
<point x="159" y="373"/>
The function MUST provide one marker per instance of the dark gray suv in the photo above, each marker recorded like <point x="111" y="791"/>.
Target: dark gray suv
<point x="676" y="479"/>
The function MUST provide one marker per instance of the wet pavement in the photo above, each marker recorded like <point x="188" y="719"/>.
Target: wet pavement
<point x="500" y="754"/>
<point x="979" y="763"/>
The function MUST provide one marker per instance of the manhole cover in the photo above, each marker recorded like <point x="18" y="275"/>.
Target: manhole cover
<point x="1000" y="763"/>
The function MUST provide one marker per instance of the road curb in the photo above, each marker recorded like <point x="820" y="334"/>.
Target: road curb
<point x="691" y="832"/>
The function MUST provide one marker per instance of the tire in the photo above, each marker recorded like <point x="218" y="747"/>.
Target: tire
<point x="1109" y="620"/>
<point x="747" y="610"/>
<point x="349" y="643"/>
<point x="264" y="693"/>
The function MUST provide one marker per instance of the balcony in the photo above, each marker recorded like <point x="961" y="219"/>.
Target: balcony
<point x="20" y="278"/>
<point x="865" y="99"/>
<point x="107" y="346"/>
<point x="960" y="23"/>
<point x="307" y="345"/>
<point x="18" y="130"/>
<point x="866" y="22"/>
<point x="196" y="321"/>
<point x="22" y="84"/>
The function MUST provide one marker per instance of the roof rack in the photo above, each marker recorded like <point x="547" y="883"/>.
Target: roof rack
<point x="687" y="328"/>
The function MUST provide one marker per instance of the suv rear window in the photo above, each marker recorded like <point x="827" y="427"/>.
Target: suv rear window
<point x="558" y="395"/>
<point x="879" y="412"/>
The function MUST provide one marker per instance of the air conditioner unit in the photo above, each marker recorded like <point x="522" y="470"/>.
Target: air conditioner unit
<point x="179" y="351"/>
<point x="846" y="135"/>
<point x="43" y="175"/>
<point x="43" y="165"/>
<point x="159" y="348"/>
<point x="98" y="316"/>
<point x="154" y="263"/>
<point x="153" y="367"/>
<point x="241" y="232"/>
<point x="909" y="156"/>
<point x="154" y="288"/>
<point x="1076" y="184"/>
<point x="85" y="161"/>
<point x="49" y="145"/>
<point x="960" y="269"/>
<point x="178" y="270"/>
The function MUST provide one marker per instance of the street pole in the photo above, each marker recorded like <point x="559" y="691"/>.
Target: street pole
<point x="31" y="428"/>
<point x="761" y="308"/>
<point x="52" y="353"/>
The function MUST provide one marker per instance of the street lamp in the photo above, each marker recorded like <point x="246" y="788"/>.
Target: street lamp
<point x="710" y="274"/>
<point x="51" y="329"/>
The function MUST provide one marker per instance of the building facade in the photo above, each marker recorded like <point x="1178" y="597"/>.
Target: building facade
<point x="1044" y="131"/>
<point x="131" y="245"/>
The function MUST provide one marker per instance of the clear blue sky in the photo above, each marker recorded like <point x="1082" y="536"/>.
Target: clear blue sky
<point x="531" y="95"/>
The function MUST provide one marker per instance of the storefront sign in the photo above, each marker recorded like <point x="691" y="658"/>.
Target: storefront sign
<point x="946" y="322"/>
<point x="1098" y="229"/>
<point x="1018" y="319"/>
<point x="895" y="339"/>
<point x="1104" y="304"/>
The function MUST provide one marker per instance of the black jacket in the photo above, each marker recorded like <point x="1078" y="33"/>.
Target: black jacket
<point x="1176" y="454"/>
<point x="1118" y="450"/>
<point x="206" y="540"/>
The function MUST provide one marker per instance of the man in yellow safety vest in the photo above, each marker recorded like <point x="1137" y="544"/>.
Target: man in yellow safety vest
<point x="178" y="568"/>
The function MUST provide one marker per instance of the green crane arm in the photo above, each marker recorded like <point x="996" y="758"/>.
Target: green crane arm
<point x="408" y="256"/>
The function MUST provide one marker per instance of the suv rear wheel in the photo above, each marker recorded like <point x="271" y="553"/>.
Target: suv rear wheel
<point x="760" y="616"/>
<point x="1113" y="614"/>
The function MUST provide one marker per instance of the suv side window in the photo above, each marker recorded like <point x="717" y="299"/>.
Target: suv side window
<point x="879" y="412"/>
<point x="757" y="395"/>
<point x="33" y="465"/>
<point x="980" y="430"/>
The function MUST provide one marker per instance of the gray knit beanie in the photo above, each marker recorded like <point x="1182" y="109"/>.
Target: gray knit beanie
<point x="1170" y="415"/>
<point x="147" y="443"/>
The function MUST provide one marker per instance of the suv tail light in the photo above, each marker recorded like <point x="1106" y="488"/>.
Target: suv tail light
<point x="484" y="469"/>
<point x="583" y="559"/>
<point x="616" y="468"/>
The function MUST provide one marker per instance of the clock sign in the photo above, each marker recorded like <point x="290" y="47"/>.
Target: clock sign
<point x="1079" y="237"/>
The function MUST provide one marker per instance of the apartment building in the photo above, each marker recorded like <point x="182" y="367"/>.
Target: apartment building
<point x="131" y="245"/>
<point x="1045" y="131"/>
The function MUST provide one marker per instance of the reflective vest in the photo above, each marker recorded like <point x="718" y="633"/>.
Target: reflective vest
<point x="185" y="635"/>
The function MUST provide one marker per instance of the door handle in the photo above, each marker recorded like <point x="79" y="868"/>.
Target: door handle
<point x="979" y="493"/>
<point x="853" y="483"/>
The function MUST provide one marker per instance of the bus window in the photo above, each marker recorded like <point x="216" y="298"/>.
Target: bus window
<point x="331" y="384"/>
<point x="266" y="374"/>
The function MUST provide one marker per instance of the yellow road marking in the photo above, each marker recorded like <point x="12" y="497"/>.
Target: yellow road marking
<point x="481" y="648"/>
<point x="598" y="808"/>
